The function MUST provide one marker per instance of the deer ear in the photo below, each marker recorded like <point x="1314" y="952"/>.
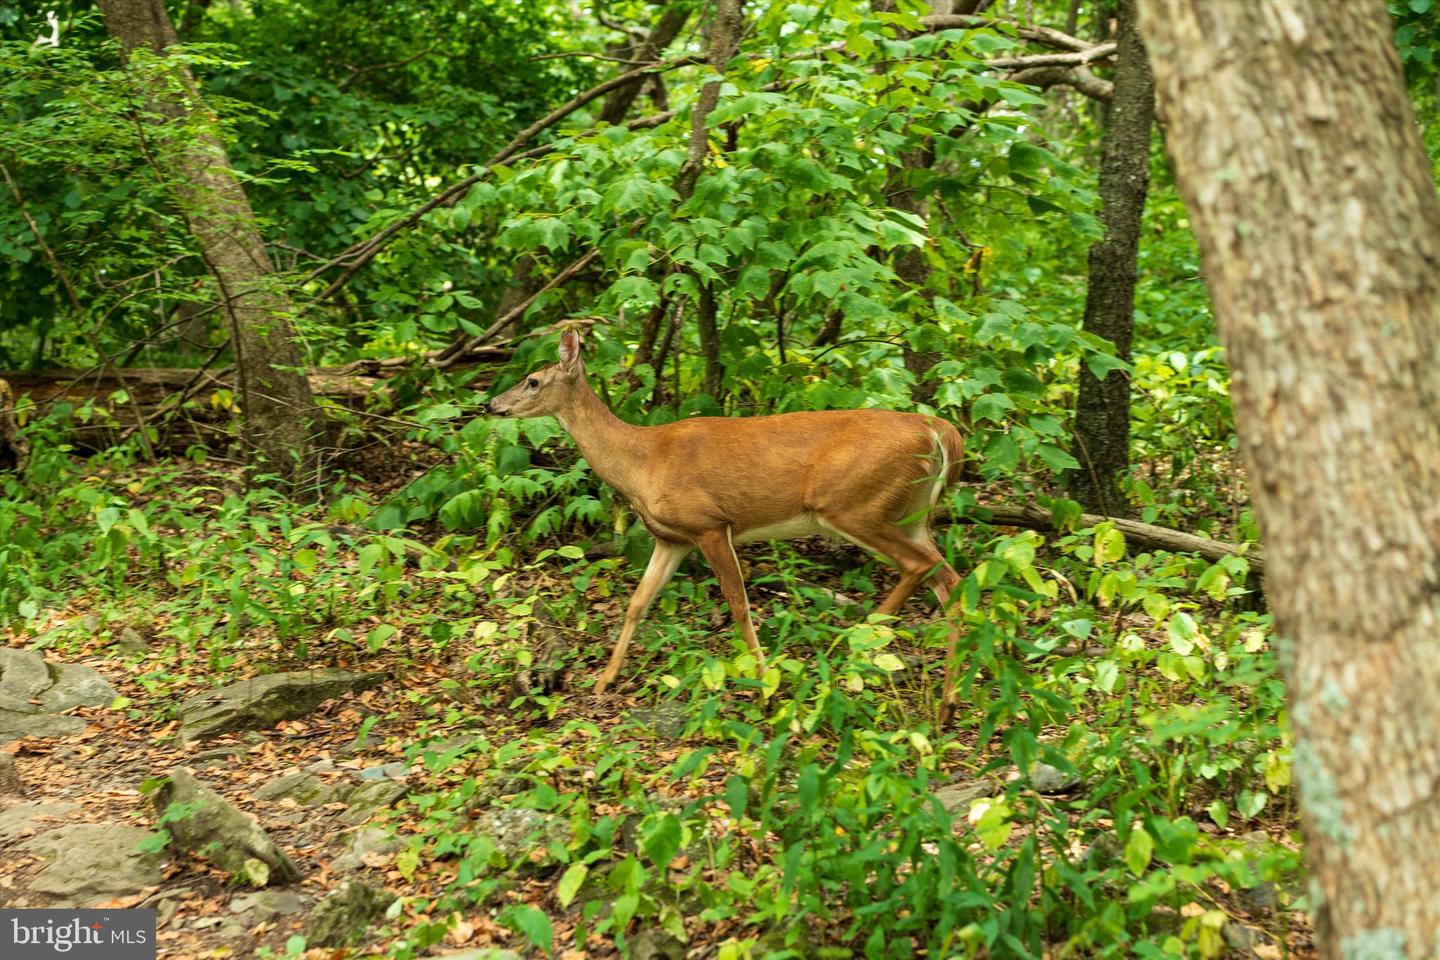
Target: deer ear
<point x="570" y="351"/>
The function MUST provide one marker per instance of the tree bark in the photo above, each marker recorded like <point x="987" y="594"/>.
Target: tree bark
<point x="281" y="417"/>
<point x="667" y="28"/>
<point x="725" y="30"/>
<point x="1102" y="408"/>
<point x="1297" y="152"/>
<point x="12" y="448"/>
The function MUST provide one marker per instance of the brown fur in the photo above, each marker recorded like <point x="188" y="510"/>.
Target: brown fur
<point x="868" y="475"/>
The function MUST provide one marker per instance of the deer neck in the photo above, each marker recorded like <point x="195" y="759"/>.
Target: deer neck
<point x="613" y="448"/>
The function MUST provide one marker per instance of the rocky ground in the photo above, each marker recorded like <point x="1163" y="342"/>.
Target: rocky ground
<point x="279" y="821"/>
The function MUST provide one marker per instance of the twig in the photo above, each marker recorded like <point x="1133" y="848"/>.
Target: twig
<point x="64" y="277"/>
<point x="452" y="353"/>
<point x="361" y="253"/>
<point x="357" y="72"/>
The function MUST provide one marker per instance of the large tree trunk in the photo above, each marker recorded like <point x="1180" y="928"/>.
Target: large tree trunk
<point x="280" y="412"/>
<point x="1102" y="409"/>
<point x="1297" y="153"/>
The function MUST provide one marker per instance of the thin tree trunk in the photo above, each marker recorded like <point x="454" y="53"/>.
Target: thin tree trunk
<point x="1102" y="409"/>
<point x="1297" y="152"/>
<point x="666" y="29"/>
<point x="710" y="341"/>
<point x="725" y="31"/>
<point x="280" y="413"/>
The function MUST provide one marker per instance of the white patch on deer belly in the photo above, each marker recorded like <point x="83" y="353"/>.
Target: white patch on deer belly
<point x="803" y="525"/>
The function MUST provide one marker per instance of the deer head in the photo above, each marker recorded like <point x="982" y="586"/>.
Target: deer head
<point x="546" y="390"/>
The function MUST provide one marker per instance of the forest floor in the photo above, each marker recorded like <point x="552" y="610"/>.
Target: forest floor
<point x="353" y="789"/>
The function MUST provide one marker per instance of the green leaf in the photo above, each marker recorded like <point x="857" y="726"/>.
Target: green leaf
<point x="1026" y="161"/>
<point x="1138" y="851"/>
<point x="1056" y="458"/>
<point x="535" y="925"/>
<point x="992" y="406"/>
<point x="737" y="795"/>
<point x="661" y="839"/>
<point x="570" y="883"/>
<point x="256" y="872"/>
<point x="1109" y="546"/>
<point x="1182" y="632"/>
<point x="889" y="662"/>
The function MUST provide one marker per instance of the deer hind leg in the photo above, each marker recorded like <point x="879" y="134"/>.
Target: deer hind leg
<point x="664" y="561"/>
<point x="719" y="549"/>
<point x="915" y="553"/>
<point x="944" y="581"/>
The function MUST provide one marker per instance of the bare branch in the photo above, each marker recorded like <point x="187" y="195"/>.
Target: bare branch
<point x="1079" y="79"/>
<point x="1046" y="35"/>
<point x="1099" y="51"/>
<point x="357" y="72"/>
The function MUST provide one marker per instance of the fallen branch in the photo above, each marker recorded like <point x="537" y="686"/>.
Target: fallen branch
<point x="1146" y="535"/>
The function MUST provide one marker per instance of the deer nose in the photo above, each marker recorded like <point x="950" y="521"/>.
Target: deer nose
<point x="490" y="407"/>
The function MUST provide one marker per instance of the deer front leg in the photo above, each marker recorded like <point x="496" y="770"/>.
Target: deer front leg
<point x="664" y="561"/>
<point x="720" y="551"/>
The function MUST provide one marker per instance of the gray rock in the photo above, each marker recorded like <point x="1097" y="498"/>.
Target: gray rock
<point x="17" y="819"/>
<point x="24" y="675"/>
<point x="342" y="917"/>
<point x="957" y="797"/>
<point x="390" y="771"/>
<point x="91" y="862"/>
<point x="666" y="719"/>
<point x="1243" y="939"/>
<point x="230" y="930"/>
<point x="1047" y="779"/>
<point x="323" y="765"/>
<point x="268" y="904"/>
<point x="18" y="726"/>
<point x="367" y="840"/>
<point x="219" y="831"/>
<point x="75" y="685"/>
<point x="165" y="911"/>
<point x="656" y="944"/>
<point x="305" y="789"/>
<point x="34" y="691"/>
<point x="515" y="832"/>
<point x="130" y="641"/>
<point x="261" y="702"/>
<point x="370" y="798"/>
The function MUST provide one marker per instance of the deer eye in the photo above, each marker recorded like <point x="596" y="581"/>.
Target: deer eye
<point x="532" y="383"/>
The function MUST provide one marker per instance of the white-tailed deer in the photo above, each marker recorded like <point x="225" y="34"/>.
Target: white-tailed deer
<point x="869" y="476"/>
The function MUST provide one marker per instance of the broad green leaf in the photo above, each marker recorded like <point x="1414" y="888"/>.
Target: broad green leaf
<point x="535" y="925"/>
<point x="570" y="883"/>
<point x="1138" y="850"/>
